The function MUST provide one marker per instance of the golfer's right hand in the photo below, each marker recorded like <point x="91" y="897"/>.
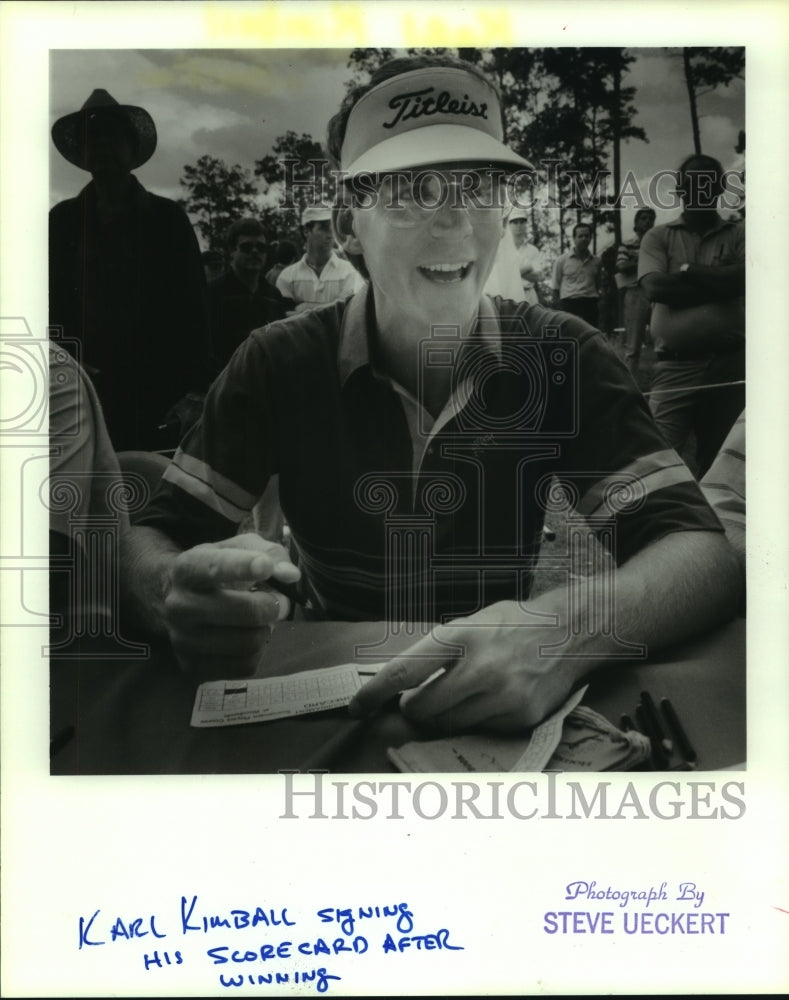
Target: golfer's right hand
<point x="220" y="603"/>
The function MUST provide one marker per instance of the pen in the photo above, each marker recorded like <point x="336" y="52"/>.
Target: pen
<point x="651" y="712"/>
<point x="327" y="753"/>
<point x="289" y="590"/>
<point x="658" y="753"/>
<point x="679" y="731"/>
<point x="347" y="734"/>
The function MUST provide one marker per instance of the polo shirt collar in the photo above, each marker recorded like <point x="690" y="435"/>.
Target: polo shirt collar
<point x="359" y="329"/>
<point x="332" y="262"/>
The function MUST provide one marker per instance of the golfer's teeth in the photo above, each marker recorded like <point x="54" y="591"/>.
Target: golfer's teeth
<point x="446" y="267"/>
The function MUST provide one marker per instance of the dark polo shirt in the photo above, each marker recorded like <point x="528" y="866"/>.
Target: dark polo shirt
<point x="235" y="311"/>
<point x="396" y="514"/>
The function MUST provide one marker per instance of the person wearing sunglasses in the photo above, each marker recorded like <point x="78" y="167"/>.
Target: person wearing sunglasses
<point x="241" y="299"/>
<point x="418" y="429"/>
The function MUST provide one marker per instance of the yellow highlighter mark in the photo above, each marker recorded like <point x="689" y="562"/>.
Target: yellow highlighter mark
<point x="282" y="25"/>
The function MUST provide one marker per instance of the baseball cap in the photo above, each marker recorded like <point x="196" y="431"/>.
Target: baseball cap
<point x="518" y="213"/>
<point x="316" y="213"/>
<point x="437" y="114"/>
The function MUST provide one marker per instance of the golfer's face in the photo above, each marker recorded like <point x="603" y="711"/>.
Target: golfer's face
<point x="429" y="250"/>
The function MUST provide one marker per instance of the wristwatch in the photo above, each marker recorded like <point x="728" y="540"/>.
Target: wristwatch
<point x="684" y="268"/>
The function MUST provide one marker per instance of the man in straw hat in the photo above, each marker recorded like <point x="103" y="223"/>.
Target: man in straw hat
<point x="126" y="280"/>
<point x="416" y="429"/>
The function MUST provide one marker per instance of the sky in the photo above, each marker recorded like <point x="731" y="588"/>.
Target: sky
<point x="233" y="103"/>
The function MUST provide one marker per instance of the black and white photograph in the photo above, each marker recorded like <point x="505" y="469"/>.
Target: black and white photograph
<point x="387" y="428"/>
<point x="375" y="487"/>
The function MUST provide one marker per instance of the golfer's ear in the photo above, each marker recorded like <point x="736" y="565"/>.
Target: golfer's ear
<point x="345" y="231"/>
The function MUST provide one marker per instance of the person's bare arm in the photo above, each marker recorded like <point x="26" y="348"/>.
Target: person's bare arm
<point x="698" y="285"/>
<point x="530" y="273"/>
<point x="214" y="602"/>
<point x="513" y="672"/>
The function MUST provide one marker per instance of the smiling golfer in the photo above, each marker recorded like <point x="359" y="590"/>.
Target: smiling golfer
<point x="418" y="429"/>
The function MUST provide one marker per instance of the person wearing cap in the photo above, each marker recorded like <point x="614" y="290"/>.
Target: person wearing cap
<point x="241" y="299"/>
<point x="320" y="276"/>
<point x="530" y="260"/>
<point x="416" y="429"/>
<point x="126" y="283"/>
<point x="505" y="276"/>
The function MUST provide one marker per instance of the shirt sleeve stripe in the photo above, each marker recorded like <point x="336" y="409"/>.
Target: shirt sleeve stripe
<point x="221" y="485"/>
<point x="200" y="482"/>
<point x="731" y="520"/>
<point x="723" y="490"/>
<point x="651" y="473"/>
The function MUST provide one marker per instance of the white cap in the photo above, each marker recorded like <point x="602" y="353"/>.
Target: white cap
<point x="316" y="213"/>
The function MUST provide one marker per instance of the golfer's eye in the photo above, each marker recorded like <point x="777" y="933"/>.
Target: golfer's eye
<point x="366" y="199"/>
<point x="486" y="185"/>
<point x="480" y="188"/>
<point x="405" y="194"/>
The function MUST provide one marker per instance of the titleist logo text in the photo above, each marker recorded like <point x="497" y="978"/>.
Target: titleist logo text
<point x="417" y="105"/>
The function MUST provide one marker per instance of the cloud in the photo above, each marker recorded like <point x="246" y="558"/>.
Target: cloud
<point x="720" y="133"/>
<point x="75" y="73"/>
<point x="233" y="103"/>
<point x="226" y="103"/>
<point x="251" y="77"/>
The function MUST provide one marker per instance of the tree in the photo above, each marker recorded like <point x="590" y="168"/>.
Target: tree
<point x="216" y="196"/>
<point x="705" y="70"/>
<point x="512" y="69"/>
<point x="296" y="174"/>
<point x="565" y="108"/>
<point x="616" y="124"/>
<point x="363" y="63"/>
<point x="576" y="119"/>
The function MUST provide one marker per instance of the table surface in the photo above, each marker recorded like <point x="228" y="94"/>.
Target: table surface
<point x="133" y="716"/>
